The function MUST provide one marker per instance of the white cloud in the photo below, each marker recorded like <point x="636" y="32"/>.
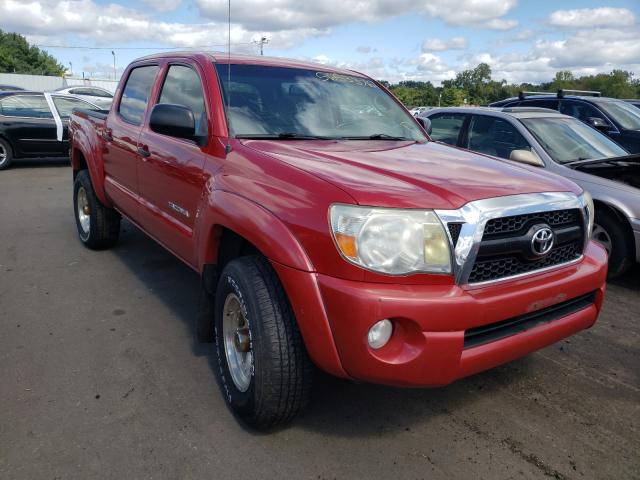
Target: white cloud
<point x="439" y="45"/>
<point x="592" y="17"/>
<point x="163" y="5"/>
<point x="363" y="49"/>
<point x="113" y="23"/>
<point x="275" y="15"/>
<point x="501" y="24"/>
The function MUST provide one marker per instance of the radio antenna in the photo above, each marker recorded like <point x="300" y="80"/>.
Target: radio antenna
<point x="228" y="146"/>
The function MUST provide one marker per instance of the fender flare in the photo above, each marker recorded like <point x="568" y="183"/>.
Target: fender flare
<point x="81" y="144"/>
<point x="222" y="209"/>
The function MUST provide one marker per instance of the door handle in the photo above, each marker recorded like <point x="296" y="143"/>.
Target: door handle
<point x="144" y="151"/>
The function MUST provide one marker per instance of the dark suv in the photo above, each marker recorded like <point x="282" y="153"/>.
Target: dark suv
<point x="616" y="118"/>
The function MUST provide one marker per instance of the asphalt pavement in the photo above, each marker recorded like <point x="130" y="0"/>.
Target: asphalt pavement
<point x="100" y="377"/>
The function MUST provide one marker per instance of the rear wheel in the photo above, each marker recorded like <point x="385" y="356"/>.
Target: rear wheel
<point x="6" y="154"/>
<point x="263" y="367"/>
<point x="98" y="226"/>
<point x="609" y="231"/>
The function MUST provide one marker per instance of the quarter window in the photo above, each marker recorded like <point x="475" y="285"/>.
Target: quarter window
<point x="183" y="87"/>
<point x="445" y="127"/>
<point x="31" y="106"/>
<point x="136" y="93"/>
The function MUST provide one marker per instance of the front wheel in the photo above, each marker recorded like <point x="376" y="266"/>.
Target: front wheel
<point x="263" y="367"/>
<point x="6" y="154"/>
<point x="98" y="226"/>
<point x="612" y="235"/>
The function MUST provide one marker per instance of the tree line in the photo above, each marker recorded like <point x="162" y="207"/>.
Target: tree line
<point x="476" y="87"/>
<point x="17" y="56"/>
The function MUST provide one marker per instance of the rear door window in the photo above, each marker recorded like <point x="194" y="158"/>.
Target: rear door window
<point x="136" y="93"/>
<point x="446" y="127"/>
<point x="65" y="105"/>
<point x="182" y="86"/>
<point x="30" y="106"/>
<point x="494" y="136"/>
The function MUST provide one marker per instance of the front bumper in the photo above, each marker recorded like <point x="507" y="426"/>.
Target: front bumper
<point x="427" y="347"/>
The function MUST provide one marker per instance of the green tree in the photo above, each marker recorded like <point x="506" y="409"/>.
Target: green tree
<point x="17" y="56"/>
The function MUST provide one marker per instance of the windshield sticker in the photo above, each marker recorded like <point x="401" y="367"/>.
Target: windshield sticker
<point x="336" y="77"/>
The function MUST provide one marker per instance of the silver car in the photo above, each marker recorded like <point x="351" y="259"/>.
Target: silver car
<point x="96" y="95"/>
<point x="563" y="145"/>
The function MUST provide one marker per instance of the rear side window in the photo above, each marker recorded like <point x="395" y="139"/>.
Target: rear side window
<point x="494" y="136"/>
<point x="446" y="127"/>
<point x="136" y="93"/>
<point x="31" y="106"/>
<point x="183" y="87"/>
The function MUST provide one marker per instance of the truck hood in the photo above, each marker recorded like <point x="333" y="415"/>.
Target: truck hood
<point x="410" y="175"/>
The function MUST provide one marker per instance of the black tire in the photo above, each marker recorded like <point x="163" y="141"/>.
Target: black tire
<point x="104" y="223"/>
<point x="622" y="255"/>
<point x="281" y="378"/>
<point x="5" y="148"/>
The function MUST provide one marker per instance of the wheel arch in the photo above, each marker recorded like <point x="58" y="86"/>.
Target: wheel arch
<point x="232" y="226"/>
<point x="619" y="215"/>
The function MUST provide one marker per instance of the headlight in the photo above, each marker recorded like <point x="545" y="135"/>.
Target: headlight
<point x="587" y="201"/>
<point x="391" y="241"/>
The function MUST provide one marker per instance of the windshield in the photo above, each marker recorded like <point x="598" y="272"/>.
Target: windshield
<point x="299" y="103"/>
<point x="568" y="139"/>
<point x="625" y="114"/>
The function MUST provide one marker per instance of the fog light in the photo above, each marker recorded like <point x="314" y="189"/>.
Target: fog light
<point x="380" y="334"/>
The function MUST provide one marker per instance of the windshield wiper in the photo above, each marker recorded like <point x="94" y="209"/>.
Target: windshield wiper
<point x="379" y="136"/>
<point x="631" y="158"/>
<point x="282" y="136"/>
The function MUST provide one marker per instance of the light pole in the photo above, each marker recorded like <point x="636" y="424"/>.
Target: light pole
<point x="114" y="63"/>
<point x="262" y="42"/>
<point x="71" y="69"/>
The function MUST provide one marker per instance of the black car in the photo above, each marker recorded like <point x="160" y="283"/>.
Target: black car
<point x="10" y="88"/>
<point x="34" y="124"/>
<point x="616" y="118"/>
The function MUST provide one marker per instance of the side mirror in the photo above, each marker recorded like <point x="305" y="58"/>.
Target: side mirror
<point x="526" y="156"/>
<point x="173" y="120"/>
<point x="426" y="124"/>
<point x="598" y="123"/>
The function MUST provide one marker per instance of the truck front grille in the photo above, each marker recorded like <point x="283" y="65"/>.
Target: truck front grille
<point x="497" y="227"/>
<point x="505" y="248"/>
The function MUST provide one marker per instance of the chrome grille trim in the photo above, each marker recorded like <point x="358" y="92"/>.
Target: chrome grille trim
<point x="475" y="215"/>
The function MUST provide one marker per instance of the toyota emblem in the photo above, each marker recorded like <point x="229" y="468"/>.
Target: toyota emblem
<point x="542" y="241"/>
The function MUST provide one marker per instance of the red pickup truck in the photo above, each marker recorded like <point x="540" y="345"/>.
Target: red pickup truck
<point x="329" y="230"/>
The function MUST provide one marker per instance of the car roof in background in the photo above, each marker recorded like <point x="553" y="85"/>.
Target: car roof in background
<point x="588" y="98"/>
<point x="19" y="92"/>
<point x="515" y="112"/>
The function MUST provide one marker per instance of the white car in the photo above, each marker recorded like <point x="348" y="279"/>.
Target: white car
<point x="96" y="95"/>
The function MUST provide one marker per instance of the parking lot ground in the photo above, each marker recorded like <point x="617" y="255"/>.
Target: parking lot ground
<point x="100" y="377"/>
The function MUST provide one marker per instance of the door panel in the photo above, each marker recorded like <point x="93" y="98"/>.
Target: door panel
<point x="28" y="122"/>
<point x="120" y="155"/>
<point x="172" y="172"/>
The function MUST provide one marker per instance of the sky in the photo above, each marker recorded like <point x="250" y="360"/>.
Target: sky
<point x="393" y="40"/>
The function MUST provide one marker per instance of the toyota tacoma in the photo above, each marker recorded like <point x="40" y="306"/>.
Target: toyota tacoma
<point x="329" y="230"/>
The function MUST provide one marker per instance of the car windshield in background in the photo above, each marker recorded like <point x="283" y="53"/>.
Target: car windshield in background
<point x="624" y="113"/>
<point x="275" y="102"/>
<point x="568" y="139"/>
